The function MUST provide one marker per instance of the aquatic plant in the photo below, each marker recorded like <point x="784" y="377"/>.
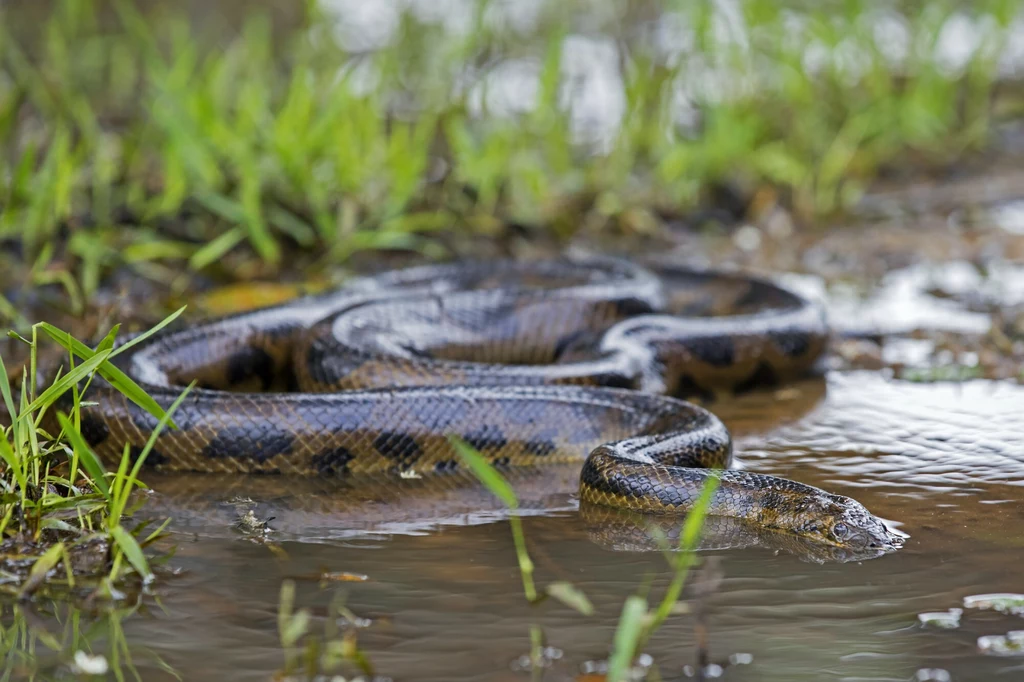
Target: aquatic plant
<point x="637" y="621"/>
<point x="62" y="514"/>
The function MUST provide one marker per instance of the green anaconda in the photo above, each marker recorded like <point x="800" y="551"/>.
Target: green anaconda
<point x="530" y="362"/>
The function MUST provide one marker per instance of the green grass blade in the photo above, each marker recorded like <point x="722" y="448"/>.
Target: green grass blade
<point x="117" y="483"/>
<point x="5" y="389"/>
<point x="61" y="386"/>
<point x="108" y="341"/>
<point x="127" y="543"/>
<point x="156" y="533"/>
<point x="118" y="379"/>
<point x="217" y="248"/>
<point x="149" y="332"/>
<point x="86" y="457"/>
<point x="40" y="568"/>
<point x="487" y="474"/>
<point x="627" y="636"/>
<point x="58" y="524"/>
<point x="295" y="627"/>
<point x="571" y="596"/>
<point x="688" y="539"/>
<point x="14" y="464"/>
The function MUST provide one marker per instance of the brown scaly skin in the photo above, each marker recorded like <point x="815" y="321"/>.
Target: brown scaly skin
<point x="529" y="362"/>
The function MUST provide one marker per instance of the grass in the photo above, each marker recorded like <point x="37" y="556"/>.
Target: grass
<point x="149" y="143"/>
<point x="637" y="622"/>
<point x="62" y="514"/>
<point x="309" y="655"/>
<point x="45" y="640"/>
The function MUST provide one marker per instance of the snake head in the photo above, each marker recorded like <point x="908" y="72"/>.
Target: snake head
<point x="843" y="522"/>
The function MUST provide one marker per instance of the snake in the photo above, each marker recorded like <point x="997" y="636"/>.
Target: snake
<point x="597" y="360"/>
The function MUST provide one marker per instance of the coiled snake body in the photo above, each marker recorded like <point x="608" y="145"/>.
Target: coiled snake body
<point x="528" y="362"/>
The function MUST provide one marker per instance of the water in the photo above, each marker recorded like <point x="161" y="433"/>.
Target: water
<point x="944" y="463"/>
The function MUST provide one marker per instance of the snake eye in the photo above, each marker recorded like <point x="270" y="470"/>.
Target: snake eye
<point x="840" y="530"/>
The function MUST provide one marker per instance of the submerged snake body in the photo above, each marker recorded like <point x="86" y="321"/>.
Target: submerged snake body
<point x="528" y="362"/>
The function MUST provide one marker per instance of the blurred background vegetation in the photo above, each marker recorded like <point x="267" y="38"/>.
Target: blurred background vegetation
<point x="240" y="140"/>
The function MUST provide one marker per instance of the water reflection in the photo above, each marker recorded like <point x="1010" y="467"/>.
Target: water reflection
<point x="623" y="531"/>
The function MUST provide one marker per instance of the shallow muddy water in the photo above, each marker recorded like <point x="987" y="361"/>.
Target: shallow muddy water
<point x="943" y="462"/>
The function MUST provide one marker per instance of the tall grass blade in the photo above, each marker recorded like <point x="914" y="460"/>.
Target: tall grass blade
<point x="118" y="379"/>
<point x="627" y="638"/>
<point x="484" y="471"/>
<point x="62" y="385"/>
<point x="42" y="566"/>
<point x="15" y="464"/>
<point x="571" y="596"/>
<point x="86" y="457"/>
<point x="127" y="543"/>
<point x="5" y="390"/>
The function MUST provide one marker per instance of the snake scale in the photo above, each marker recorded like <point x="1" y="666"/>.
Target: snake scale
<point x="569" y="359"/>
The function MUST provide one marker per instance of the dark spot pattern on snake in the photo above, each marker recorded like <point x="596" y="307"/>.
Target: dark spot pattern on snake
<point x="242" y="442"/>
<point x="487" y="437"/>
<point x="93" y="430"/>
<point x="153" y="460"/>
<point x="401" y="448"/>
<point x="250" y="362"/>
<point x="715" y="351"/>
<point x="540" y="447"/>
<point x="764" y="375"/>
<point x="333" y="461"/>
<point x="793" y="344"/>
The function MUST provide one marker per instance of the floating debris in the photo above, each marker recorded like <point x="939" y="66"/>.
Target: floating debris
<point x="946" y="620"/>
<point x="88" y="664"/>
<point x="344" y="577"/>
<point x="1003" y="602"/>
<point x="251" y="525"/>
<point x="1010" y="644"/>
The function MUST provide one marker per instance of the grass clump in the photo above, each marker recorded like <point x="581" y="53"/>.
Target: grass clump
<point x="50" y="639"/>
<point x="151" y="143"/>
<point x="312" y="656"/>
<point x="637" y="622"/>
<point x="62" y="514"/>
